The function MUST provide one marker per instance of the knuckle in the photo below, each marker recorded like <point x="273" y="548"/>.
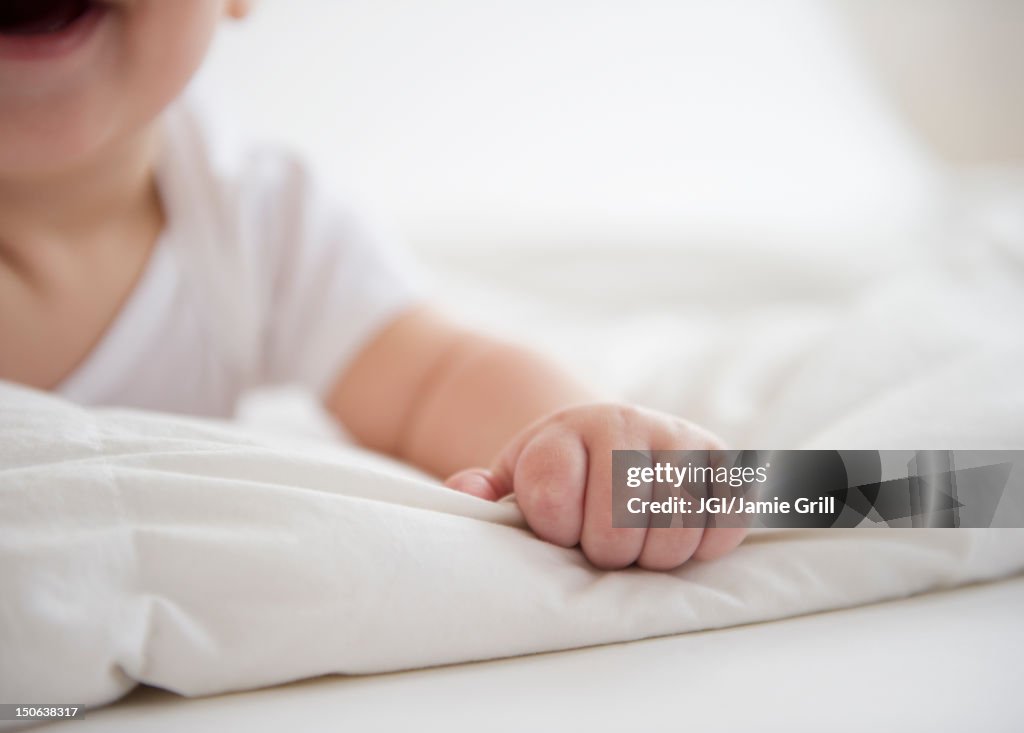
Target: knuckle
<point x="693" y="437"/>
<point x="600" y="417"/>
<point x="626" y="418"/>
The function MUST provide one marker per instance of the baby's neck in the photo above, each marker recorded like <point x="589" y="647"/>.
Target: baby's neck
<point x="74" y="204"/>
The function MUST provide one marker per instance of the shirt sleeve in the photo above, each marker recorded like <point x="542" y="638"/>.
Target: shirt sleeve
<point x="329" y="279"/>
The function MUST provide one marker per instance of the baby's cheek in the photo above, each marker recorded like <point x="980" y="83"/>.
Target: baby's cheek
<point x="550" y="482"/>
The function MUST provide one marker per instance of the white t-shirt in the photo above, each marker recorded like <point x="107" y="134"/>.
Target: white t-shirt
<point x="259" y="278"/>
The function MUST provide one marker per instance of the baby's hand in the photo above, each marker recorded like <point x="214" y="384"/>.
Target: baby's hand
<point x="560" y="469"/>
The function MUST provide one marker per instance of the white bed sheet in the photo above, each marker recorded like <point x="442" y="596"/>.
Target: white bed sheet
<point x="938" y="662"/>
<point x="145" y="549"/>
<point x="921" y="364"/>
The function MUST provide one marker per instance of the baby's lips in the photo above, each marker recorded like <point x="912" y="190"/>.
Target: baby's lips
<point x="478" y="482"/>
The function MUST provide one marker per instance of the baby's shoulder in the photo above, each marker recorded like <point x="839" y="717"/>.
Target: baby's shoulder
<point x="254" y="195"/>
<point x="207" y="157"/>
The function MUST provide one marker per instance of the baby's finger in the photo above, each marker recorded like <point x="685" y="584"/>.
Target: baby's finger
<point x="549" y="479"/>
<point x="668" y="547"/>
<point x="725" y="532"/>
<point x="605" y="546"/>
<point x="478" y="482"/>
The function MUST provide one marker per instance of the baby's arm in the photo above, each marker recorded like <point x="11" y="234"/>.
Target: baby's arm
<point x="447" y="400"/>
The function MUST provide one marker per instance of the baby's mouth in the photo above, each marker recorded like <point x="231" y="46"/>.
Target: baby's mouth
<point x="27" y="18"/>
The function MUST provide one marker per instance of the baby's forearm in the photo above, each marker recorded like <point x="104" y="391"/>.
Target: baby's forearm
<point x="486" y="392"/>
<point x="445" y="398"/>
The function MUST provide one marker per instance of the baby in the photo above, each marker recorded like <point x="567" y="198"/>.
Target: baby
<point x="140" y="267"/>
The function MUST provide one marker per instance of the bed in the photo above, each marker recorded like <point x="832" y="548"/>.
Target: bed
<point x="264" y="576"/>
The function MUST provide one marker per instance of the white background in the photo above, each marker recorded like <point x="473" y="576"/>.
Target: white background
<point x="529" y="123"/>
